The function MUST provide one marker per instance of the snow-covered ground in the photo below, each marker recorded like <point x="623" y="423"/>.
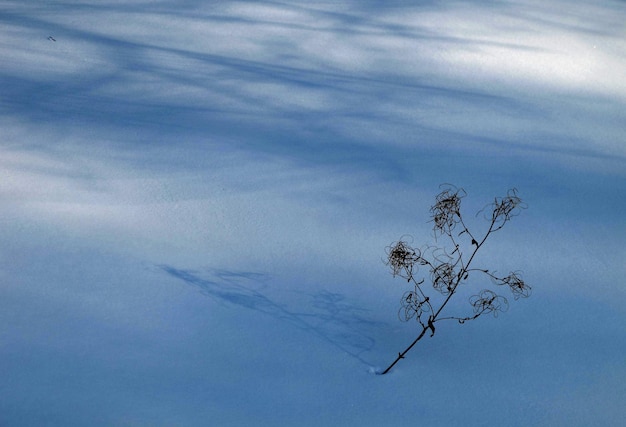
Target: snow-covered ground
<point x="196" y="197"/>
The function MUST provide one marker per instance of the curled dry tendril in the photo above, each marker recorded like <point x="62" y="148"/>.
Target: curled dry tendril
<point x="444" y="278"/>
<point x="505" y="208"/>
<point x="517" y="285"/>
<point x="445" y="212"/>
<point x="489" y="302"/>
<point x="401" y="257"/>
<point x="412" y="305"/>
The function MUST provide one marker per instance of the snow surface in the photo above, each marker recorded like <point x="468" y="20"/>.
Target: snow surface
<point x="196" y="197"/>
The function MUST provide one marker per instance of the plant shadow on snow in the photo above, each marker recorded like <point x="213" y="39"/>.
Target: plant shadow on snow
<point x="327" y="315"/>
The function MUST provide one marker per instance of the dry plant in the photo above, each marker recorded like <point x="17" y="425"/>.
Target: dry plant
<point x="449" y="268"/>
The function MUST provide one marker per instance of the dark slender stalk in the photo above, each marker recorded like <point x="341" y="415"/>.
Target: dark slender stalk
<point x="401" y="355"/>
<point x="446" y="215"/>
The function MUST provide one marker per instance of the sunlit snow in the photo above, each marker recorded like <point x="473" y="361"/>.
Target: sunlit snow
<point x="196" y="197"/>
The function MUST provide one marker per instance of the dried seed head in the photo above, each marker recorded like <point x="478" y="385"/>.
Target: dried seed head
<point x="401" y="257"/>
<point x="489" y="302"/>
<point x="446" y="210"/>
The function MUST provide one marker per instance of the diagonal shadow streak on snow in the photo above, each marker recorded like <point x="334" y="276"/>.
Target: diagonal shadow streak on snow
<point x="329" y="315"/>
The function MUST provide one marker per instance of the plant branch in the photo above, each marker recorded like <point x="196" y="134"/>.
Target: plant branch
<point x="401" y="355"/>
<point x="404" y="261"/>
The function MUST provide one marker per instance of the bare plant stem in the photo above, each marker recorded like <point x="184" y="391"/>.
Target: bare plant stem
<point x="401" y="355"/>
<point x="464" y="270"/>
